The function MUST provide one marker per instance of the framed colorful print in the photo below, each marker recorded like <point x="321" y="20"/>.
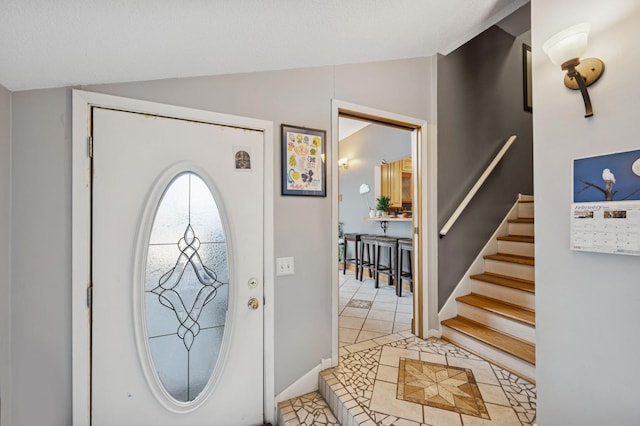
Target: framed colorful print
<point x="303" y="164"/>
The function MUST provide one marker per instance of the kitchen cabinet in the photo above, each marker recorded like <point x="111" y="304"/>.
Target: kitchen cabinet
<point x="406" y="165"/>
<point x="396" y="182"/>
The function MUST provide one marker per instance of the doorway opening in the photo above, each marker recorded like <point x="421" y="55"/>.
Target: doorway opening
<point x="375" y="210"/>
<point x="367" y="166"/>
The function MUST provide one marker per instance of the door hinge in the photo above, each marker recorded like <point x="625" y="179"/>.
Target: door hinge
<point x="89" y="295"/>
<point x="90" y="146"/>
<point x="415" y="230"/>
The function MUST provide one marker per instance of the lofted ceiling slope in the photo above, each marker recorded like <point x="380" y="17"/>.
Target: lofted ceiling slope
<point x="46" y="43"/>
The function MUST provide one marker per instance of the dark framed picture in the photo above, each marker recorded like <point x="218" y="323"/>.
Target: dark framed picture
<point x="303" y="161"/>
<point x="526" y="78"/>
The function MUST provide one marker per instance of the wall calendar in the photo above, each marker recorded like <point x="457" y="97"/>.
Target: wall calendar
<point x="605" y="214"/>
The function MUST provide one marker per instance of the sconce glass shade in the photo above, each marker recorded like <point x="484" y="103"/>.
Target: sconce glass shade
<point x="567" y="44"/>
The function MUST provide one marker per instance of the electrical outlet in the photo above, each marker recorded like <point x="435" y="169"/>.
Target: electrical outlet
<point x="284" y="266"/>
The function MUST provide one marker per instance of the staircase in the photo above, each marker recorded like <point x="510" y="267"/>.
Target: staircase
<point x="496" y="321"/>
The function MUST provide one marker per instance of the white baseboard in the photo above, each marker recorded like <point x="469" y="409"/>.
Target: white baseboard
<point x="434" y="333"/>
<point x="305" y="384"/>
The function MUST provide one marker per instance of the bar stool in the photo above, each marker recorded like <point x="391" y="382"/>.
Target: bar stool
<point x="391" y="245"/>
<point x="405" y="246"/>
<point x="355" y="260"/>
<point x="369" y="244"/>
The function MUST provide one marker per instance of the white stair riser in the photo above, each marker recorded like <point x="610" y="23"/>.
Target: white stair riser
<point x="516" y="270"/>
<point x="497" y="322"/>
<point x="511" y="362"/>
<point x="521" y="228"/>
<point x="504" y="294"/>
<point x="525" y="210"/>
<point x="516" y="247"/>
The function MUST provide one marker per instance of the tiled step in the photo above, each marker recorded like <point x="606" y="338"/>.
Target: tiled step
<point x="309" y="409"/>
<point x="504" y="317"/>
<point x="521" y="267"/>
<point x="346" y="409"/>
<point x="521" y="226"/>
<point x="369" y="387"/>
<point x="522" y="245"/>
<point x="512" y="353"/>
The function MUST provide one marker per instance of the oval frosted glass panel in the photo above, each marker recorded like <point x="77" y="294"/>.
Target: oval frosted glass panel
<point x="186" y="287"/>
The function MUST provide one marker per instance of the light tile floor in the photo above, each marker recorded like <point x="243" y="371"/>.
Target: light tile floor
<point x="400" y="379"/>
<point x="387" y="376"/>
<point x="366" y="312"/>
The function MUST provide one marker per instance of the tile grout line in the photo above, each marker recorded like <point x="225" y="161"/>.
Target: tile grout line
<point x="370" y="309"/>
<point x="447" y="359"/>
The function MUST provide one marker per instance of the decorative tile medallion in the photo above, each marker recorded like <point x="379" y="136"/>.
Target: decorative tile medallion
<point x="357" y="303"/>
<point x="440" y="386"/>
<point x="382" y="385"/>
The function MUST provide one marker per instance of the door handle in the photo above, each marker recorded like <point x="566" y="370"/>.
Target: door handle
<point x="253" y="303"/>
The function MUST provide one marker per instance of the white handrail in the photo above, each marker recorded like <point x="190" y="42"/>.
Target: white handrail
<point x="456" y="214"/>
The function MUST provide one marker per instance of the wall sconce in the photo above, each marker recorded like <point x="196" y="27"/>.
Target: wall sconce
<point x="344" y="163"/>
<point x="565" y="49"/>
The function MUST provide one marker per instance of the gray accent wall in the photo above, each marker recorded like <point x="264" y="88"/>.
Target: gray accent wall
<point x="587" y="313"/>
<point x="41" y="262"/>
<point x="479" y="107"/>
<point x="5" y="256"/>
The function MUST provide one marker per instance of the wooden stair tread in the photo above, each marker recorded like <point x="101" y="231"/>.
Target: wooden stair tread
<point x="525" y="201"/>
<point x="511" y="345"/>
<point x="505" y="281"/>
<point x="518" y="238"/>
<point x="512" y="258"/>
<point x="521" y="220"/>
<point x="507" y="310"/>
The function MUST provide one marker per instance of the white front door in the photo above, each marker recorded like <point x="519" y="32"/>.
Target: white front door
<point x="177" y="272"/>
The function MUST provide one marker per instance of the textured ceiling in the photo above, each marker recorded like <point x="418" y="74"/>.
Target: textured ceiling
<point x="53" y="43"/>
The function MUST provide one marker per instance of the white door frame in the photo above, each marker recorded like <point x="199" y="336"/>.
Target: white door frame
<point x="82" y="102"/>
<point x="425" y="162"/>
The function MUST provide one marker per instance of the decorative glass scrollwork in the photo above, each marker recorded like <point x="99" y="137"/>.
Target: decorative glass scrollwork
<point x="186" y="287"/>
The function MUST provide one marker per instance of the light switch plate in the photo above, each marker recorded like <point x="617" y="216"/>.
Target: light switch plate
<point x="284" y="266"/>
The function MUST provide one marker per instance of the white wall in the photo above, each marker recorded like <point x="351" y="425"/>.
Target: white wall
<point x="41" y="276"/>
<point x="5" y="255"/>
<point x="587" y="304"/>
